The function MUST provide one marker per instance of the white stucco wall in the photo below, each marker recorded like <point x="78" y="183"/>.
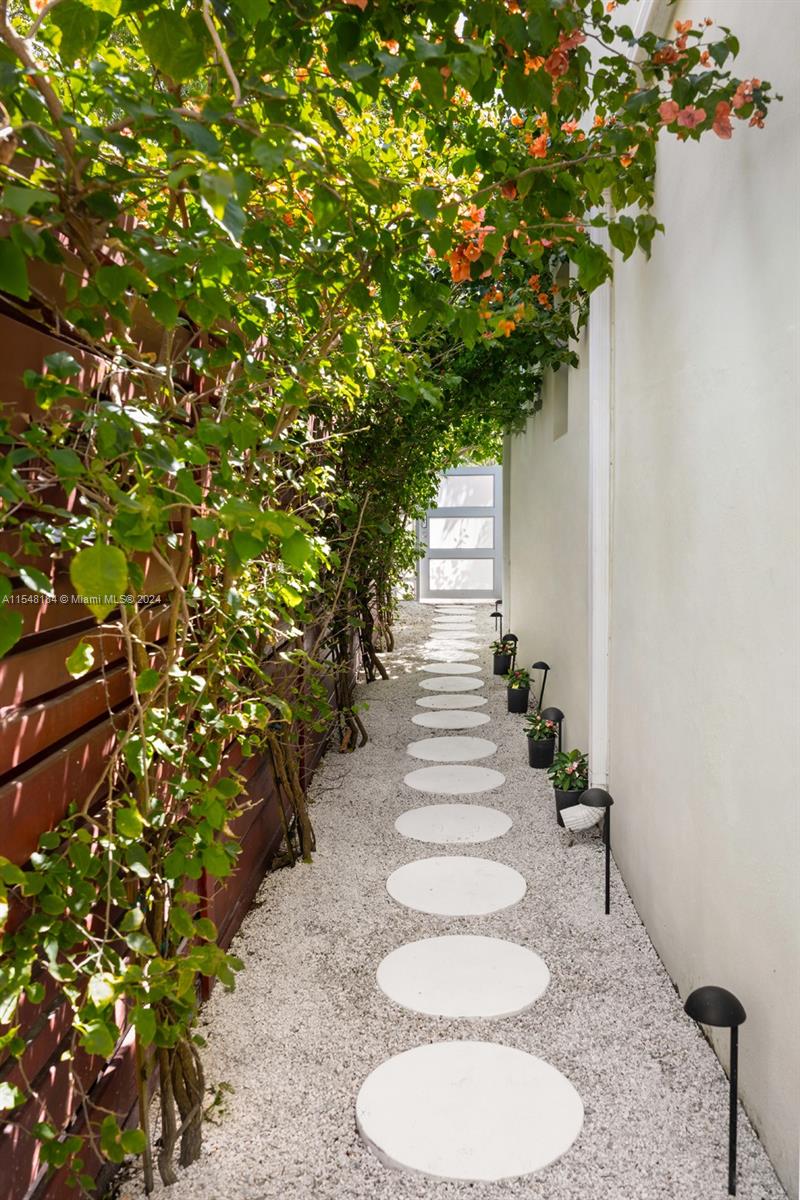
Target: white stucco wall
<point x="705" y="596"/>
<point x="704" y="573"/>
<point x="546" y="486"/>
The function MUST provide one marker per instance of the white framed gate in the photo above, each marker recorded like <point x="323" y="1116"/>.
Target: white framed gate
<point x="463" y="537"/>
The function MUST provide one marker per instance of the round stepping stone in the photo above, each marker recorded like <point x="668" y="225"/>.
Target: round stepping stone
<point x="463" y="976"/>
<point x="439" y="626"/>
<point x="451" y="718"/>
<point x="453" y="824"/>
<point x="452" y="683"/>
<point x="448" y="700"/>
<point x="449" y="646"/>
<point x="454" y="668"/>
<point x="456" y="886"/>
<point x="453" y="635"/>
<point x="474" y="1111"/>
<point x="453" y="656"/>
<point x="454" y="779"/>
<point x="452" y="749"/>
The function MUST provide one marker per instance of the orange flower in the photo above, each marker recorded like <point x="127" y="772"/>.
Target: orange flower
<point x="301" y="74"/>
<point x="392" y="46"/>
<point x="513" y="6"/>
<point x="538" y="146"/>
<point x="288" y="219"/>
<point x="517" y="120"/>
<point x="705" y="57"/>
<point x="668" y="111"/>
<point x="459" y="265"/>
<point x="532" y="62"/>
<point x="722" y="121"/>
<point x="508" y="190"/>
<point x="744" y="92"/>
<point x="569" y="126"/>
<point x="667" y="54"/>
<point x="541" y="121"/>
<point x="757" y="119"/>
<point x="362" y="4"/>
<point x="557" y="63"/>
<point x="683" y="26"/>
<point x="599" y="121"/>
<point x="533" y="282"/>
<point x="507" y="327"/>
<point x="612" y="4"/>
<point x="690" y="117"/>
<point x="544" y="300"/>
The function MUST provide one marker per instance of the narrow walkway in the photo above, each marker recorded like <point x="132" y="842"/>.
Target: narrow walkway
<point x="594" y="1019"/>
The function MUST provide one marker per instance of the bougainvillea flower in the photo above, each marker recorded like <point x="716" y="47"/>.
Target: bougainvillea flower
<point x="537" y="147"/>
<point x="557" y="63"/>
<point x="722" y="120"/>
<point x="507" y="327"/>
<point x="683" y="26"/>
<point x="690" y="117"/>
<point x="362" y="4"/>
<point x="517" y="120"/>
<point x="668" y="111"/>
<point x="532" y="62"/>
<point x="569" y="126"/>
<point x="508" y="190"/>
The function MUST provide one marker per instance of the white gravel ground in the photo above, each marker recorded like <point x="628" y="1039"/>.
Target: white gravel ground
<point x="307" y="1023"/>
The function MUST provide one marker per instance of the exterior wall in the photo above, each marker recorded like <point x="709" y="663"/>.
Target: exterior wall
<point x="547" y="546"/>
<point x="704" y="703"/>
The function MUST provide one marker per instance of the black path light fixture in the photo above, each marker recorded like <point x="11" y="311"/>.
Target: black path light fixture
<point x="497" y="617"/>
<point x="541" y="666"/>
<point x="555" y="715"/>
<point x="599" y="798"/>
<point x="717" y="1006"/>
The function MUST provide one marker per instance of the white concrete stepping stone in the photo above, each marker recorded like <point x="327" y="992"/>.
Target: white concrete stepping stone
<point x="448" y="700"/>
<point x="453" y="824"/>
<point x="451" y="718"/>
<point x="454" y="779"/>
<point x="448" y="646"/>
<point x="439" y="626"/>
<point x="474" y="1111"/>
<point x="453" y="656"/>
<point x="452" y="749"/>
<point x="453" y="635"/>
<point x="452" y="683"/>
<point x="456" y="886"/>
<point x="453" y="668"/>
<point x="463" y="976"/>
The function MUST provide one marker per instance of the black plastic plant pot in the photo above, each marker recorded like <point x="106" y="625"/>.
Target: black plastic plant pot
<point x="518" y="699"/>
<point x="566" y="800"/>
<point x="502" y="664"/>
<point x="540" y="754"/>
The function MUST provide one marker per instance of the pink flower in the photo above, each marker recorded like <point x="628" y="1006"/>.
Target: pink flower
<point x="668" y="111"/>
<point x="690" y="117"/>
<point x="572" y="768"/>
<point x="722" y="120"/>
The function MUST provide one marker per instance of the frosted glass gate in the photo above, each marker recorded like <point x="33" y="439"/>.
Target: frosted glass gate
<point x="462" y="536"/>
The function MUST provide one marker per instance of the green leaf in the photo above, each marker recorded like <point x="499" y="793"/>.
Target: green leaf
<point x="100" y="576"/>
<point x="10" y="629"/>
<point x="144" y="1022"/>
<point x="425" y="201"/>
<point x="97" y="1038"/>
<point x="81" y="660"/>
<point x="80" y="28"/>
<point x="20" y="200"/>
<point x="163" y="308"/>
<point x="10" y="1097"/>
<point x="128" y="822"/>
<point x="101" y="989"/>
<point x="140" y="943"/>
<point x="133" y="1141"/>
<point x="174" y="45"/>
<point x="147" y="680"/>
<point x="623" y="235"/>
<point x="61" y="364"/>
<point x="296" y="550"/>
<point x="13" y="270"/>
<point x="36" y="580"/>
<point x="216" y="861"/>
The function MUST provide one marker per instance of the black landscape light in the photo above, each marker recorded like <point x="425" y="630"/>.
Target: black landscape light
<point x="555" y="715"/>
<point x="497" y="617"/>
<point x="541" y="666"/>
<point x="599" y="798"/>
<point x="716" y="1006"/>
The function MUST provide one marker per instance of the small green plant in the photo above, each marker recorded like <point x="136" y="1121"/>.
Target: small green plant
<point x="503" y="647"/>
<point x="518" y="679"/>
<point x="538" y="728"/>
<point x="570" y="771"/>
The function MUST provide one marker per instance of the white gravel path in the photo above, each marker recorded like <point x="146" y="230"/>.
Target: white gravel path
<point x="307" y="1022"/>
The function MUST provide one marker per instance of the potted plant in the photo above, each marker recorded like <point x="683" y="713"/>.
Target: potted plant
<point x="541" y="734"/>
<point x="518" y="685"/>
<point x="503" y="655"/>
<point x="569" y="776"/>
